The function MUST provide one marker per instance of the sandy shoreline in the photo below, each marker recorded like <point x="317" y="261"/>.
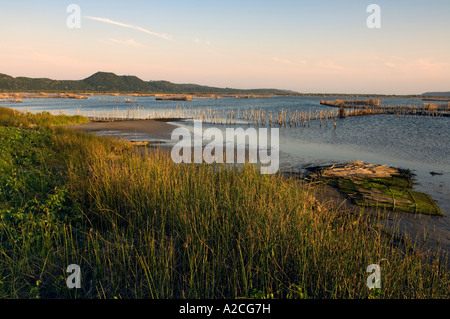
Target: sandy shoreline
<point x="153" y="128"/>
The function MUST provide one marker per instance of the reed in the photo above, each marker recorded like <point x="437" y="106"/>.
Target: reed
<point x="348" y="103"/>
<point x="428" y="110"/>
<point x="9" y="117"/>
<point x="229" y="116"/>
<point x="430" y="106"/>
<point x="175" y="98"/>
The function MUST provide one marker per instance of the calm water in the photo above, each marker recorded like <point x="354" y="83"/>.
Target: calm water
<point x="418" y="143"/>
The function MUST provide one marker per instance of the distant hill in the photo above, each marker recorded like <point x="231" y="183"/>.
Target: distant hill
<point x="110" y="82"/>
<point x="436" y="94"/>
<point x="8" y="83"/>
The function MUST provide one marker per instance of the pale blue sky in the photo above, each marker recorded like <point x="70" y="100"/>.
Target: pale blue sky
<point x="306" y="46"/>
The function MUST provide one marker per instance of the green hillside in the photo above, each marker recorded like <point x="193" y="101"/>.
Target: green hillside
<point x="110" y="82"/>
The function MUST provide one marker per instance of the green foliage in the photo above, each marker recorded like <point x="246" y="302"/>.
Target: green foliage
<point x="8" y="84"/>
<point x="9" y="117"/>
<point x="24" y="164"/>
<point x="47" y="119"/>
<point x="31" y="186"/>
<point x="110" y="82"/>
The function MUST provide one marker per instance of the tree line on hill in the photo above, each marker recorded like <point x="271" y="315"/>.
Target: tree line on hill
<point x="110" y="82"/>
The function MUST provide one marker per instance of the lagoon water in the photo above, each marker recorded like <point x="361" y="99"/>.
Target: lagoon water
<point x="418" y="143"/>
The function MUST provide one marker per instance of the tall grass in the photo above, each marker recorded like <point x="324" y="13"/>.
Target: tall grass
<point x="141" y="226"/>
<point x="9" y="117"/>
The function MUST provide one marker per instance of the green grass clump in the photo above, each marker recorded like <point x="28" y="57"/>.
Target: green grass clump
<point x="9" y="117"/>
<point x="393" y="193"/>
<point x="140" y="226"/>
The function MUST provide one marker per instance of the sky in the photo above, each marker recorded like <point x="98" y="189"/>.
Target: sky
<point x="315" y="46"/>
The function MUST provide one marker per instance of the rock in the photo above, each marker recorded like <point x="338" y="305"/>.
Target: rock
<point x="378" y="186"/>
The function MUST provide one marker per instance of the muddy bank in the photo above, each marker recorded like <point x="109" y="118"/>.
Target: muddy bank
<point x="152" y="128"/>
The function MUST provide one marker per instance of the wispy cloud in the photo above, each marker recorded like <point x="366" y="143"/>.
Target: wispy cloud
<point x="121" y="24"/>
<point x="129" y="42"/>
<point x="207" y="45"/>
<point x="390" y="64"/>
<point x="330" y="65"/>
<point x="282" y="60"/>
<point x="289" y="62"/>
<point x="431" y="66"/>
<point x="422" y="65"/>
